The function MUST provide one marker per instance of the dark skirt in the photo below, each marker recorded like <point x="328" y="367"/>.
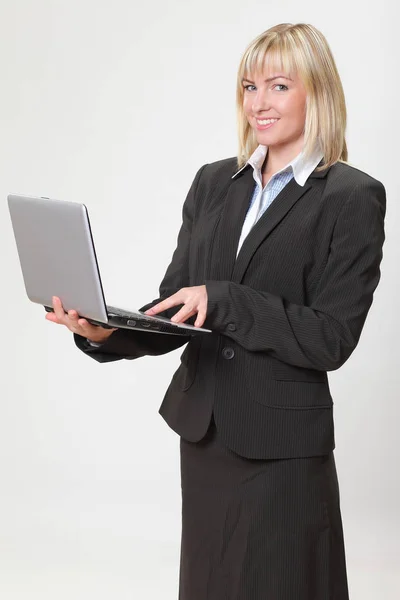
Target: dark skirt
<point x="255" y="529"/>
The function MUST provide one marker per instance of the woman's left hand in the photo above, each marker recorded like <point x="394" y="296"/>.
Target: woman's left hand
<point x="194" y="300"/>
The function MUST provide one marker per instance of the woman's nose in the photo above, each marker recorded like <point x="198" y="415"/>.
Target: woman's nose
<point x="260" y="102"/>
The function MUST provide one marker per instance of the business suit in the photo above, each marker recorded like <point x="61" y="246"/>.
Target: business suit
<point x="254" y="396"/>
<point x="290" y="308"/>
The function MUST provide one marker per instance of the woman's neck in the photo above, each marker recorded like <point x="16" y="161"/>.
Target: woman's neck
<point x="277" y="158"/>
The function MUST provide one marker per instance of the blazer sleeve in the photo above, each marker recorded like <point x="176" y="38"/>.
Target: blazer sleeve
<point x="323" y="335"/>
<point x="130" y="344"/>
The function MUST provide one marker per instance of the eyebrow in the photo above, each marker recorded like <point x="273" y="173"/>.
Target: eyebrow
<point x="269" y="78"/>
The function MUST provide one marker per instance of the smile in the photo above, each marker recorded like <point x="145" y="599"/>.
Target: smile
<point x="265" y="123"/>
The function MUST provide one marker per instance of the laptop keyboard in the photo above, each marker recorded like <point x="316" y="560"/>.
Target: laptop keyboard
<point x="156" y="323"/>
<point x="119" y="312"/>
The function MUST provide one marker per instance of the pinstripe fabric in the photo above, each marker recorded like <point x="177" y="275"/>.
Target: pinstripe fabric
<point x="299" y="168"/>
<point x="251" y="401"/>
<point x="287" y="310"/>
<point x="259" y="529"/>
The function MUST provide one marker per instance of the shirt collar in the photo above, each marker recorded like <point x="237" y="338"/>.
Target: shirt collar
<point x="301" y="167"/>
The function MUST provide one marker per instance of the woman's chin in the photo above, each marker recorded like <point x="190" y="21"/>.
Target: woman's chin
<point x="267" y="140"/>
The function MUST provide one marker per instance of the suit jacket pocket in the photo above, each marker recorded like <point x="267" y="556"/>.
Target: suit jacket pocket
<point x="282" y="371"/>
<point x="276" y="384"/>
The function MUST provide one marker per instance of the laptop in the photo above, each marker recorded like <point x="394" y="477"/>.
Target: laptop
<point x="58" y="258"/>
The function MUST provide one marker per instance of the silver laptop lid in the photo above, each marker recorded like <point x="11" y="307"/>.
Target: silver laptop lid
<point x="57" y="255"/>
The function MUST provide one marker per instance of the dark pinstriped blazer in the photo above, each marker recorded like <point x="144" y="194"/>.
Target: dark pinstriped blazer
<point x="288" y="309"/>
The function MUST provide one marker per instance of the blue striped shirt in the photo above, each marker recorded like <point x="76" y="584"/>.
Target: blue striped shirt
<point x="272" y="189"/>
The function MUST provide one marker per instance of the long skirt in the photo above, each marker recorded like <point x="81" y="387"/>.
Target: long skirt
<point x="255" y="529"/>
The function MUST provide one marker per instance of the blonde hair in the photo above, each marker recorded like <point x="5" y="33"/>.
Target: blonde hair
<point x="303" y="50"/>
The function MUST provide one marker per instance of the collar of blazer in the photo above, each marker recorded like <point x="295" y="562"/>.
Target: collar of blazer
<point x="236" y="203"/>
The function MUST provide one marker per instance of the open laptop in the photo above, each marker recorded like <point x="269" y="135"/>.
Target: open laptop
<point x="58" y="258"/>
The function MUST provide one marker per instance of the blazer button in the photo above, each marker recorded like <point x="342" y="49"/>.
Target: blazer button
<point x="228" y="353"/>
<point x="231" y="327"/>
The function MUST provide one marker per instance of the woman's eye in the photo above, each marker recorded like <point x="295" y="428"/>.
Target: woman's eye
<point x="281" y="85"/>
<point x="246" y="87"/>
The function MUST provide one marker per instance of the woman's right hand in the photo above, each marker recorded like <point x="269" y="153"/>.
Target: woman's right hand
<point x="74" y="323"/>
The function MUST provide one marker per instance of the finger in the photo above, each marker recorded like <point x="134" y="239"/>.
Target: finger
<point x="89" y="327"/>
<point x="85" y="328"/>
<point x="73" y="317"/>
<point x="201" y="317"/>
<point x="173" y="300"/>
<point x="71" y="321"/>
<point x="71" y="324"/>
<point x="58" y="309"/>
<point x="50" y="316"/>
<point x="92" y="332"/>
<point x="184" y="313"/>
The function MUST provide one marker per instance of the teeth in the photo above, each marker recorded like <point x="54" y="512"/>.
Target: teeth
<point x="266" y="121"/>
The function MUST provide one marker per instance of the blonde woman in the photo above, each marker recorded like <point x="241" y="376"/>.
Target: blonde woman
<point x="279" y="254"/>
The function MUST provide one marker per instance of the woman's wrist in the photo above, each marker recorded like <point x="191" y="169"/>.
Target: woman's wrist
<point x="96" y="343"/>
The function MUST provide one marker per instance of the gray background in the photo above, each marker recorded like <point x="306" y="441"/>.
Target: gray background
<point x="104" y="102"/>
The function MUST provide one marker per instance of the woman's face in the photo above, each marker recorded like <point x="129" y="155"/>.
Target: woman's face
<point x="273" y="95"/>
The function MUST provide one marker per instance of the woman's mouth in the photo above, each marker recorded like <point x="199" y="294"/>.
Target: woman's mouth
<point x="262" y="124"/>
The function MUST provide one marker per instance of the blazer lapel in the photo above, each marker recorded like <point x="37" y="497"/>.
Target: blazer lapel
<point x="225" y="266"/>
<point x="266" y="223"/>
<point x="237" y="201"/>
<point x="284" y="201"/>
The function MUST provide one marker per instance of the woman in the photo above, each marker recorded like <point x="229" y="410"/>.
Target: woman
<point x="279" y="254"/>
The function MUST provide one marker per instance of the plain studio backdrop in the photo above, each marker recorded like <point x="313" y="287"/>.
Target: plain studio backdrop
<point x="103" y="103"/>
